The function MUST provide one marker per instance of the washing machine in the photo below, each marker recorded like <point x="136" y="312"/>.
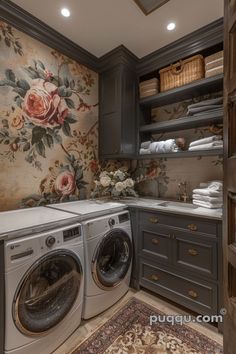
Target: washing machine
<point x="108" y="261"/>
<point x="44" y="286"/>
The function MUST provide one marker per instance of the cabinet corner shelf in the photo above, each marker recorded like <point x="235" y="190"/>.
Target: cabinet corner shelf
<point x="181" y="154"/>
<point x="184" y="123"/>
<point x="194" y="89"/>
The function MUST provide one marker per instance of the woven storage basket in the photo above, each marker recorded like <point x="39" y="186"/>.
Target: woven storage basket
<point x="182" y="73"/>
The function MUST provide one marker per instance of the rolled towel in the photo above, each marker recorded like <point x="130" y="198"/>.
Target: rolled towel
<point x="207" y="140"/>
<point x="166" y="146"/>
<point x="207" y="205"/>
<point x="207" y="184"/>
<point x="210" y="146"/>
<point x="144" y="151"/>
<point x="153" y="147"/>
<point x="207" y="192"/>
<point x="145" y="144"/>
<point x="205" y="198"/>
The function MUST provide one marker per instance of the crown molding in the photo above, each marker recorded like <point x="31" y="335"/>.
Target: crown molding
<point x="195" y="42"/>
<point x="29" y="24"/>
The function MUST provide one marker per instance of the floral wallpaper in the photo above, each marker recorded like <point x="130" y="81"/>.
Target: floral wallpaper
<point x="48" y="123"/>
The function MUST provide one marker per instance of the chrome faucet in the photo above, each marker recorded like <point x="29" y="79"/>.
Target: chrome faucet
<point x="182" y="194"/>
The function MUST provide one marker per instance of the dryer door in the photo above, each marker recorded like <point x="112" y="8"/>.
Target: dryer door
<point x="112" y="259"/>
<point x="47" y="292"/>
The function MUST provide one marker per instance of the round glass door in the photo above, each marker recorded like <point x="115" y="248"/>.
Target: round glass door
<point x="112" y="259"/>
<point x="47" y="292"/>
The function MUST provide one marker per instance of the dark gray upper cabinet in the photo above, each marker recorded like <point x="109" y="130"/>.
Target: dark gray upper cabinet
<point x="118" y="108"/>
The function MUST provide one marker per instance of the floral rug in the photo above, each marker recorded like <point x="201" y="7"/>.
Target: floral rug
<point x="129" y="332"/>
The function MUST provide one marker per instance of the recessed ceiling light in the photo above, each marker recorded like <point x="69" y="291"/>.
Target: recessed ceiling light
<point x="65" y="12"/>
<point x="171" y="26"/>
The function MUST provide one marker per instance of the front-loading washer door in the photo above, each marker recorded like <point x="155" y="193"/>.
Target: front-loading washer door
<point x="112" y="259"/>
<point x="47" y="292"/>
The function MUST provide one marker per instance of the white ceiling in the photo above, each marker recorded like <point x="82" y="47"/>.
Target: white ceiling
<point x="101" y="25"/>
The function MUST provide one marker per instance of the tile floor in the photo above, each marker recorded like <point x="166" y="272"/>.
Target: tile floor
<point x="89" y="326"/>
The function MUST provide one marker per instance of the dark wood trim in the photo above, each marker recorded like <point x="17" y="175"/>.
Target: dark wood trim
<point x="118" y="55"/>
<point x="27" y="23"/>
<point x="148" y="12"/>
<point x="181" y="154"/>
<point x="184" y="123"/>
<point x="2" y="299"/>
<point x="193" y="89"/>
<point x="195" y="42"/>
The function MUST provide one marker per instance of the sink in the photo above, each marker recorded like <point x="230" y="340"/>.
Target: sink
<point x="177" y="205"/>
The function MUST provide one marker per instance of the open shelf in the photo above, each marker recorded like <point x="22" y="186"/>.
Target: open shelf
<point x="194" y="89"/>
<point x="181" y="154"/>
<point x="189" y="122"/>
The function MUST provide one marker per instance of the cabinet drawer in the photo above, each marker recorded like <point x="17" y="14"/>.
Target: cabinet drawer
<point x="196" y="295"/>
<point x="150" y="219"/>
<point x="156" y="244"/>
<point x="195" y="253"/>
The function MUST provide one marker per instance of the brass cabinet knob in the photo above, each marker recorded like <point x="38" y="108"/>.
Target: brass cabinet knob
<point x="192" y="227"/>
<point x="154" y="277"/>
<point x="193" y="294"/>
<point x="154" y="220"/>
<point x="192" y="252"/>
<point x="155" y="241"/>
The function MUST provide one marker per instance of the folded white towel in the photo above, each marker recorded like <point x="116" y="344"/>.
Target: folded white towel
<point x="207" y="205"/>
<point x="210" y="146"/>
<point x="208" y="140"/>
<point x="206" y="184"/>
<point x="145" y="145"/>
<point x="166" y="146"/>
<point x="216" y="186"/>
<point x="144" y="151"/>
<point x="207" y="192"/>
<point x="205" y="198"/>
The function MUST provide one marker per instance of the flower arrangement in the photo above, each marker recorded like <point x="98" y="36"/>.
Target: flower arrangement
<point x="114" y="184"/>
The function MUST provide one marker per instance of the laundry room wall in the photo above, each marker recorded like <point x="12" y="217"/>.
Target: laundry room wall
<point x="48" y="123"/>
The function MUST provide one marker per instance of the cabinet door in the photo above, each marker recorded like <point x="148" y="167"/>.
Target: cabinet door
<point x="195" y="254"/>
<point x="110" y="112"/>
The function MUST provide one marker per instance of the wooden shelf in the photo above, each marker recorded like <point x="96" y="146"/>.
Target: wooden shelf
<point x="182" y="154"/>
<point x="189" y="122"/>
<point x="194" y="89"/>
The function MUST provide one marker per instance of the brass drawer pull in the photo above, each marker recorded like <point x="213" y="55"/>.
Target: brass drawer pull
<point x="193" y="294"/>
<point x="192" y="227"/>
<point x="193" y="252"/>
<point x="155" y="241"/>
<point x="154" y="220"/>
<point x="154" y="277"/>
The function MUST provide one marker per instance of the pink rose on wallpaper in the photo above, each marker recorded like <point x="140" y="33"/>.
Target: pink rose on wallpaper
<point x="43" y="105"/>
<point x="65" y="183"/>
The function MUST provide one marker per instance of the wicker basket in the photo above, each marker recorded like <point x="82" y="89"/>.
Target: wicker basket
<point x="182" y="73"/>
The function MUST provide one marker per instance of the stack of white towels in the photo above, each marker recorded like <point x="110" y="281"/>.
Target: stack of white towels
<point x="209" y="195"/>
<point x="158" y="147"/>
<point x="210" y="143"/>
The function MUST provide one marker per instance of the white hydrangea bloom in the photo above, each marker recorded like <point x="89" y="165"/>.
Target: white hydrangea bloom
<point x="105" y="181"/>
<point x="129" y="183"/>
<point x="120" y="175"/>
<point x="119" y="186"/>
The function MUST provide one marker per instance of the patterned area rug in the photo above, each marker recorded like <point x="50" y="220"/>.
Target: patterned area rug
<point x="129" y="332"/>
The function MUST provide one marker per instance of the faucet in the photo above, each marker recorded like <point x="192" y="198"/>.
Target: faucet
<point x="183" y="195"/>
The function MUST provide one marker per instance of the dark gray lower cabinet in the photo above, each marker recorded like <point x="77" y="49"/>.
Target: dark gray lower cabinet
<point x="179" y="257"/>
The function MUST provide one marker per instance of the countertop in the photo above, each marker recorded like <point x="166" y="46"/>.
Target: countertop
<point x="22" y="222"/>
<point x="178" y="208"/>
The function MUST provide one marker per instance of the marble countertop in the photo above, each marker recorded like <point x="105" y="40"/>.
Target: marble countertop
<point x="23" y="222"/>
<point x="176" y="207"/>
